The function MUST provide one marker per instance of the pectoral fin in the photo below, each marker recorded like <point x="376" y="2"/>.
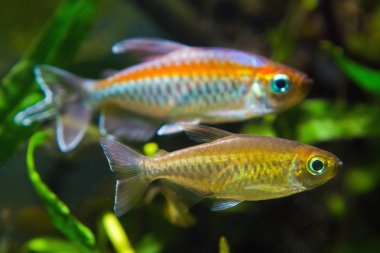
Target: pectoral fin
<point x="224" y="204"/>
<point x="122" y="124"/>
<point x="175" y="127"/>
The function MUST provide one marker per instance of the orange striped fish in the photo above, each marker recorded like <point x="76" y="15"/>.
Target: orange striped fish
<point x="174" y="84"/>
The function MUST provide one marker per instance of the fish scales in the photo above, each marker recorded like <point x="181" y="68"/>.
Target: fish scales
<point x="218" y="167"/>
<point x="174" y="83"/>
<point x="228" y="167"/>
<point x="190" y="85"/>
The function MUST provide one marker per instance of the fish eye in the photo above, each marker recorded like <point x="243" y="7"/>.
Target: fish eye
<point x="280" y="84"/>
<point x="316" y="165"/>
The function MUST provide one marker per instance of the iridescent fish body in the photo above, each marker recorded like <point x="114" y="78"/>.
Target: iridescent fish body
<point x="175" y="83"/>
<point x="230" y="168"/>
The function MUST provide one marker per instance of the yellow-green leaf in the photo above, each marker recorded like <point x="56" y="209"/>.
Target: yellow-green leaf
<point x="50" y="245"/>
<point x="223" y="245"/>
<point x="116" y="234"/>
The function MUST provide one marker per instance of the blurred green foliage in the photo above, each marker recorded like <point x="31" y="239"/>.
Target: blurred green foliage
<point x="367" y="78"/>
<point x="49" y="245"/>
<point x="116" y="234"/>
<point x="336" y="205"/>
<point x="319" y="120"/>
<point x="223" y="245"/>
<point x="362" y="181"/>
<point x="324" y="121"/>
<point x="149" y="244"/>
<point x="56" y="45"/>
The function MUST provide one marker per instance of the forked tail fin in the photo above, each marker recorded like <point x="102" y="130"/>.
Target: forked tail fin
<point x="128" y="164"/>
<point x="66" y="99"/>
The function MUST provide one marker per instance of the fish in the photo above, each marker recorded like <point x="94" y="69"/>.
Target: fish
<point x="174" y="84"/>
<point x="228" y="168"/>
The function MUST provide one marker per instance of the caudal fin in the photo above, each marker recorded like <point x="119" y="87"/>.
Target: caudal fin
<point x="128" y="164"/>
<point x="65" y="99"/>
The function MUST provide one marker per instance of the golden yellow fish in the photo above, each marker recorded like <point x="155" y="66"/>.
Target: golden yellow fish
<point x="229" y="167"/>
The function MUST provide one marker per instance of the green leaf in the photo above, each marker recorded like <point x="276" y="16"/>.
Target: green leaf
<point x="223" y="245"/>
<point x="319" y="120"/>
<point x="367" y="78"/>
<point x="116" y="234"/>
<point x="59" y="213"/>
<point x="57" y="44"/>
<point x="149" y="244"/>
<point x="336" y="205"/>
<point x="262" y="127"/>
<point x="283" y="38"/>
<point x="361" y="181"/>
<point x="49" y="245"/>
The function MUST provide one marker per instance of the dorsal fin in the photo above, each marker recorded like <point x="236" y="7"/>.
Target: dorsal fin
<point x="146" y="48"/>
<point x="201" y="133"/>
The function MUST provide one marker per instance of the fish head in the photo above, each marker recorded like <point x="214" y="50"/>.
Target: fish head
<point x="313" y="167"/>
<point x="281" y="86"/>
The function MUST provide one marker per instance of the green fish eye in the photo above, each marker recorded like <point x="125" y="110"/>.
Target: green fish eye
<point x="280" y="84"/>
<point x="316" y="166"/>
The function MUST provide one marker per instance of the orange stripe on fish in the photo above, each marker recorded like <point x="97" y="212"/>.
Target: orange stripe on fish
<point x="193" y="69"/>
<point x="174" y="83"/>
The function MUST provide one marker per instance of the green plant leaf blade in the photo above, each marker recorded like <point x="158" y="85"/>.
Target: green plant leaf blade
<point x="149" y="244"/>
<point x="49" y="245"/>
<point x="223" y="245"/>
<point x="116" y="234"/>
<point x="59" y="213"/>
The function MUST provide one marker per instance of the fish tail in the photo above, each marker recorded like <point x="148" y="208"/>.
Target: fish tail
<point x="66" y="98"/>
<point x="131" y="182"/>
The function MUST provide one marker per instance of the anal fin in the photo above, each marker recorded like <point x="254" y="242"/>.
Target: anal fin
<point x="186" y="196"/>
<point x="175" y="211"/>
<point x="122" y="124"/>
